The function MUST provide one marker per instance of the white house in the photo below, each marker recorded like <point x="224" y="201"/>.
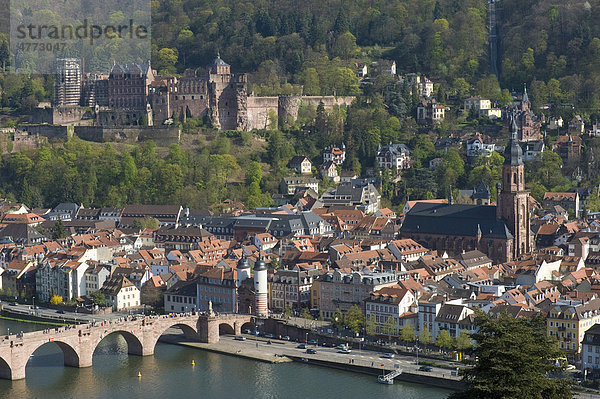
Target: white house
<point x="483" y="107"/>
<point x="301" y="164"/>
<point x="394" y="156"/>
<point x="329" y="170"/>
<point x="335" y="154"/>
<point x="407" y="249"/>
<point x="391" y="302"/>
<point x="120" y="293"/>
<point x="480" y="145"/>
<point x="264" y="242"/>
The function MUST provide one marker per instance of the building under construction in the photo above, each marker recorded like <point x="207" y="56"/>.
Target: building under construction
<point x="67" y="86"/>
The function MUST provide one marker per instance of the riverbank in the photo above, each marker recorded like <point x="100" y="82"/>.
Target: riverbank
<point x="41" y="321"/>
<point x="225" y="350"/>
<point x="276" y="352"/>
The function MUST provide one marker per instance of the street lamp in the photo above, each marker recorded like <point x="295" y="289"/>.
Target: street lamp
<point x="33" y="304"/>
<point x="417" y="349"/>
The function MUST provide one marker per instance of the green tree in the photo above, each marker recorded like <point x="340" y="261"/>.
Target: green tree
<point x="425" y="336"/>
<point x="461" y="88"/>
<point x="390" y="327"/>
<point x="275" y="264"/>
<point x="505" y="98"/>
<point x="354" y="319"/>
<point x="345" y="46"/>
<point x="253" y="173"/>
<point x="305" y="314"/>
<point x="593" y="202"/>
<point x="464" y="341"/>
<point x="59" y="230"/>
<point x="98" y="298"/>
<point x="488" y="87"/>
<point x="407" y="333"/>
<point x="166" y="60"/>
<point x="337" y="320"/>
<point x="310" y="82"/>
<point x="146" y="223"/>
<point x="287" y="311"/>
<point x="371" y="324"/>
<point x="443" y="340"/>
<point x="514" y="358"/>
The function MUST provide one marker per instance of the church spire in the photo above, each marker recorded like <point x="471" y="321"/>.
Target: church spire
<point x="525" y="96"/>
<point x="513" y="155"/>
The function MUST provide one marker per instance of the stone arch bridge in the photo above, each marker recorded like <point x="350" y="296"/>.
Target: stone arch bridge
<point x="78" y="342"/>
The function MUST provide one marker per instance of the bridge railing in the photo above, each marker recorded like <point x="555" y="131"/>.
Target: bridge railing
<point x="89" y="326"/>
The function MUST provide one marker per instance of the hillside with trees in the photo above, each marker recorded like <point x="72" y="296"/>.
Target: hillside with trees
<point x="554" y="47"/>
<point x="315" y="43"/>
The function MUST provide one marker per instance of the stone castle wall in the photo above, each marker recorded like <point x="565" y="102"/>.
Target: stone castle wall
<point x="161" y="135"/>
<point x="49" y="131"/>
<point x="328" y="101"/>
<point x="25" y="141"/>
<point x="62" y="115"/>
<point x="286" y="107"/>
<point x="258" y="111"/>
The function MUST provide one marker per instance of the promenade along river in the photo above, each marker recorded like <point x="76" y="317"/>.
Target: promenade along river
<point x="170" y="374"/>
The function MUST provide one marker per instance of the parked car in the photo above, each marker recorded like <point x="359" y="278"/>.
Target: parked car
<point x="301" y="346"/>
<point x="312" y="342"/>
<point x="286" y="338"/>
<point x="387" y="355"/>
<point x="256" y="332"/>
<point x="345" y="351"/>
<point x="60" y="311"/>
<point x="239" y="338"/>
<point x="311" y="351"/>
<point x="269" y="335"/>
<point x="426" y="368"/>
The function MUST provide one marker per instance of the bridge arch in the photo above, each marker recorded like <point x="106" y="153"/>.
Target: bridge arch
<point x="248" y="326"/>
<point x="226" y="329"/>
<point x="134" y="345"/>
<point x="5" y="370"/>
<point x="70" y="355"/>
<point x="190" y="333"/>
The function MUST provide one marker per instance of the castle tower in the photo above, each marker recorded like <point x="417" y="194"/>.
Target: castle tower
<point x="243" y="270"/>
<point x="513" y="199"/>
<point x="227" y="96"/>
<point x="260" y="288"/>
<point x="67" y="84"/>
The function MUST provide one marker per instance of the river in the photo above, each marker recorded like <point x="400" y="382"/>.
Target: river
<point x="170" y="374"/>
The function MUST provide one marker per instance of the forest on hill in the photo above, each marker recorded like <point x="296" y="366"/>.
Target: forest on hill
<point x="554" y="46"/>
<point x="306" y="42"/>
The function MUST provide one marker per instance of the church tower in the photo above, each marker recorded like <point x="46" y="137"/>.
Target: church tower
<point x="513" y="199"/>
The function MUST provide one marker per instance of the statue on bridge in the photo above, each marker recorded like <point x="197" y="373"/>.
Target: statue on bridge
<point x="210" y="309"/>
